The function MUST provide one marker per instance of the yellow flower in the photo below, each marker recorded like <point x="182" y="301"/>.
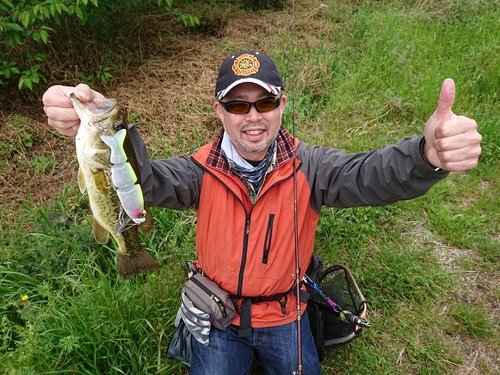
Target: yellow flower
<point x="24" y="298"/>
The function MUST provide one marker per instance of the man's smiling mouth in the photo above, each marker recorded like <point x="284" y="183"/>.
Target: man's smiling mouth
<point x="253" y="132"/>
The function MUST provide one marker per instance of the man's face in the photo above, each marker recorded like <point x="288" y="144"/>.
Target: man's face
<point x="251" y="133"/>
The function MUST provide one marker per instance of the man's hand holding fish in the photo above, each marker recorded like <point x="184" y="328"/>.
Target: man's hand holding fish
<point x="59" y="108"/>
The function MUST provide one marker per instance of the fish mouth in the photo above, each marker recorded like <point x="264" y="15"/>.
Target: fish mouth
<point x="98" y="108"/>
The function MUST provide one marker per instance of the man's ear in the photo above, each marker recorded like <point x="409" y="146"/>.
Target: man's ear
<point x="283" y="103"/>
<point x="218" y="109"/>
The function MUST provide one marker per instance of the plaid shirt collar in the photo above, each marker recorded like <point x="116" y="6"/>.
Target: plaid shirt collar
<point x="285" y="150"/>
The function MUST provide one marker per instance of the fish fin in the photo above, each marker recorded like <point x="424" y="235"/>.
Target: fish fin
<point x="101" y="235"/>
<point x="81" y="181"/>
<point x="140" y="262"/>
<point x="147" y="225"/>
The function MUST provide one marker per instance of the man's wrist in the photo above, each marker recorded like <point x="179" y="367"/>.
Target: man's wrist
<point x="422" y="152"/>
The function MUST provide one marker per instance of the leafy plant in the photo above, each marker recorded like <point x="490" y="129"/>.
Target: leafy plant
<point x="32" y="75"/>
<point x="18" y="136"/>
<point x="43" y="164"/>
<point x="22" y="21"/>
<point x="102" y="74"/>
<point x="9" y="68"/>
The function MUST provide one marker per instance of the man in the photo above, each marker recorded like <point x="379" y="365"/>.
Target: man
<point x="241" y="186"/>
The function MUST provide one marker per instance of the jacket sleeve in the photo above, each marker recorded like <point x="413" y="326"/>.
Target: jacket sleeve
<point x="380" y="177"/>
<point x="171" y="183"/>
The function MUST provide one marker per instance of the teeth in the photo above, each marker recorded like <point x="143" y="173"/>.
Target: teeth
<point x="253" y="132"/>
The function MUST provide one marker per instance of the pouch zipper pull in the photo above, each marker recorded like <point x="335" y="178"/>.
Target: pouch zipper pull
<point x="221" y="305"/>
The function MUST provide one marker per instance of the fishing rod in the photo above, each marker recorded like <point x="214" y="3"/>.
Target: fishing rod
<point x="295" y="215"/>
<point x="345" y="315"/>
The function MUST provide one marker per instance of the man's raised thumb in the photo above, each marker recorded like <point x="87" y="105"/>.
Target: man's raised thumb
<point x="446" y="98"/>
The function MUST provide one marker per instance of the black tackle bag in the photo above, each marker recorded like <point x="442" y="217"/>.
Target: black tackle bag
<point x="327" y="327"/>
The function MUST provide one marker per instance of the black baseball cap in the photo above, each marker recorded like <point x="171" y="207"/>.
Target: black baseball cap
<point x="248" y="66"/>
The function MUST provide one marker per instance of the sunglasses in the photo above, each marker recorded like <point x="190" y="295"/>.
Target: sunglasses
<point x="240" y="107"/>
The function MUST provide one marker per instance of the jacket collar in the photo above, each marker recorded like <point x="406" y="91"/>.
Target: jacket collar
<point x="285" y="151"/>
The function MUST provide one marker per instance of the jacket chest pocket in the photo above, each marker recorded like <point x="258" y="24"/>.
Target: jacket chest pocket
<point x="268" y="239"/>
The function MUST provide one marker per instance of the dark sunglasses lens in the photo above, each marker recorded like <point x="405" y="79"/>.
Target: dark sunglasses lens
<point x="238" y="107"/>
<point x="266" y="105"/>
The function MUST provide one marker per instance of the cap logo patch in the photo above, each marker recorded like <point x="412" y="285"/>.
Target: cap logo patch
<point x="246" y="65"/>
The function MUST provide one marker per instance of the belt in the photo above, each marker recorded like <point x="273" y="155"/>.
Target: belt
<point x="245" y="329"/>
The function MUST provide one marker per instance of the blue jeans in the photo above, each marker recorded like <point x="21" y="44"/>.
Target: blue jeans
<point x="275" y="347"/>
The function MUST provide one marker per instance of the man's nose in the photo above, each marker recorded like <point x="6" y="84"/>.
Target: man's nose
<point x="253" y="113"/>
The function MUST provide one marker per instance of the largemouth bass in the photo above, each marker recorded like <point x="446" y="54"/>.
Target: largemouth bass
<point x="108" y="171"/>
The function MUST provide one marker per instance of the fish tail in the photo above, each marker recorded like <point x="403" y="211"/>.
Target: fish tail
<point x="130" y="265"/>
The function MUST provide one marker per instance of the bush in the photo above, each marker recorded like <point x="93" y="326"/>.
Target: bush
<point x="31" y="22"/>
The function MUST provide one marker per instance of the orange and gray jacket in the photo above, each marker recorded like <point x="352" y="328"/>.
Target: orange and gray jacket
<point x="249" y="248"/>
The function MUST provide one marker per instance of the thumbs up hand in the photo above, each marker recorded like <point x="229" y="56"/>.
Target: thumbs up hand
<point x="451" y="142"/>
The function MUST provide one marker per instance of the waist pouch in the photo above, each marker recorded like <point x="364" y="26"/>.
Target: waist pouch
<point x="190" y="323"/>
<point x="180" y="345"/>
<point x="208" y="297"/>
<point x="197" y="321"/>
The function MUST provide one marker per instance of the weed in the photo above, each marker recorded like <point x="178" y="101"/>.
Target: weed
<point x="19" y="136"/>
<point x="43" y="164"/>
<point x="135" y="116"/>
<point x="472" y="320"/>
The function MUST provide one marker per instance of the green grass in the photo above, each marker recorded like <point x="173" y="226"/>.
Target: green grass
<point x="428" y="267"/>
<point x="77" y="315"/>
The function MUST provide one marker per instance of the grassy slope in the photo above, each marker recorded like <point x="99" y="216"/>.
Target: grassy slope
<point x="428" y="267"/>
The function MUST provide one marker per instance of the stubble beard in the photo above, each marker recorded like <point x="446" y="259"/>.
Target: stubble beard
<point x="249" y="147"/>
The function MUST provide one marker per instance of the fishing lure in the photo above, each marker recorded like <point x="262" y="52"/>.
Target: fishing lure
<point x="124" y="179"/>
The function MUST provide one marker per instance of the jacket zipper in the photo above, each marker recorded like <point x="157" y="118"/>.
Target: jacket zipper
<point x="247" y="228"/>
<point x="268" y="239"/>
<point x="247" y="231"/>
<point x="244" y="254"/>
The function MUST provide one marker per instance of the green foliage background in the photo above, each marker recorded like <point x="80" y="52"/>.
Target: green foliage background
<point x="30" y="23"/>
